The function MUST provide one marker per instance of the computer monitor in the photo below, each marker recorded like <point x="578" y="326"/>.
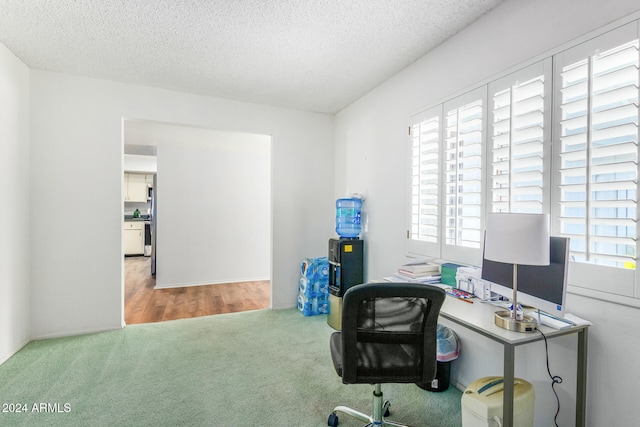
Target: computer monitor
<point x="542" y="287"/>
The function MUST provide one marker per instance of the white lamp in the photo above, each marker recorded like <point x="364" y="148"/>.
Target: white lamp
<point x="517" y="238"/>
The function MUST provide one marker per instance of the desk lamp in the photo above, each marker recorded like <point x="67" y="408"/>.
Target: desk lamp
<point x="518" y="239"/>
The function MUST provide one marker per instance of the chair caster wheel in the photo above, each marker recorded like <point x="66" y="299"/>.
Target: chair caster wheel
<point x="333" y="420"/>
<point x="385" y="408"/>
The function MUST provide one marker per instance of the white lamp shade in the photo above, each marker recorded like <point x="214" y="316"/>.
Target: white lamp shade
<point x="517" y="238"/>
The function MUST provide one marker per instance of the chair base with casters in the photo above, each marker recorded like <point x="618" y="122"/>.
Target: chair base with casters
<point x="380" y="410"/>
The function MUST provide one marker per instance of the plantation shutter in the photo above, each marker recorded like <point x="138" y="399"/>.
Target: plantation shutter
<point x="598" y="153"/>
<point x="518" y="157"/>
<point x="425" y="133"/>
<point x="463" y="145"/>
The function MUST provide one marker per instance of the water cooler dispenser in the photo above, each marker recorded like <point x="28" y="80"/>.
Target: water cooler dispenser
<point x="346" y="257"/>
<point x="345" y="271"/>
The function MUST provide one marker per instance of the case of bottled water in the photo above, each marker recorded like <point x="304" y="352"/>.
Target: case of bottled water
<point x="313" y="286"/>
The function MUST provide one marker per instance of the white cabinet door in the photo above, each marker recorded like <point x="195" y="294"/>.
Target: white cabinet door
<point x="135" y="187"/>
<point x="134" y="237"/>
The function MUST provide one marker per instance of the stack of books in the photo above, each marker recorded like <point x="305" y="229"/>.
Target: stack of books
<point x="423" y="272"/>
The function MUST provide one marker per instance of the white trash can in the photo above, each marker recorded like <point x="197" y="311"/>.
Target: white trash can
<point x="482" y="403"/>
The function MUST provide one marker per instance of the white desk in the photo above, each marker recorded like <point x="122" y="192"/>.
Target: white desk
<point x="479" y="317"/>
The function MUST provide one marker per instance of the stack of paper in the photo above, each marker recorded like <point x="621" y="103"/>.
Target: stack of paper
<point x="422" y="272"/>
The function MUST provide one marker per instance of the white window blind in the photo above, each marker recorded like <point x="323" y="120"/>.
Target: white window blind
<point x="463" y="145"/>
<point x="502" y="148"/>
<point x="599" y="156"/>
<point x="597" y="159"/>
<point x="518" y="159"/>
<point x="425" y="130"/>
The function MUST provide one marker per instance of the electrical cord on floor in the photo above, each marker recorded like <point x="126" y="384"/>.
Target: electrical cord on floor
<point x="555" y="379"/>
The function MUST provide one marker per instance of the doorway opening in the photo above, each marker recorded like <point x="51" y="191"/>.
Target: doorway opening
<point x="209" y="214"/>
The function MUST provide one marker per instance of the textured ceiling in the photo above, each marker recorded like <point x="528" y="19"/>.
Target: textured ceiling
<point x="317" y="55"/>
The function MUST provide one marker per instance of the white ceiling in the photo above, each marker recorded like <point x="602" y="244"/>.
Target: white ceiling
<point x="317" y="55"/>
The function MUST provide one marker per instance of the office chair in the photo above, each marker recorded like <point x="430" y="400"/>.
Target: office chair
<point x="388" y="336"/>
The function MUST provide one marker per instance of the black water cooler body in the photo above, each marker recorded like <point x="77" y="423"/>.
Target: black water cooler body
<point x="346" y="261"/>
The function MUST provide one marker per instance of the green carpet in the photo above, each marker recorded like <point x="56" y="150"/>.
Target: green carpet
<point x="267" y="368"/>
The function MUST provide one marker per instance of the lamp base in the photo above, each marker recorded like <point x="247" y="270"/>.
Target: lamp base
<point x="505" y="321"/>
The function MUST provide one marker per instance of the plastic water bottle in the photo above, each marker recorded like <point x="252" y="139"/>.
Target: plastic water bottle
<point x="348" y="213"/>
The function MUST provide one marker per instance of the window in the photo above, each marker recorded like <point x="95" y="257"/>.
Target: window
<point x="425" y="183"/>
<point x="518" y="157"/>
<point x="463" y="143"/>
<point x="446" y="155"/>
<point x="558" y="136"/>
<point x="597" y="155"/>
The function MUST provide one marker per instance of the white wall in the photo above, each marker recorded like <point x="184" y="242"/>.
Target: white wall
<point x="371" y="142"/>
<point x="76" y="156"/>
<point x="14" y="204"/>
<point x="213" y="214"/>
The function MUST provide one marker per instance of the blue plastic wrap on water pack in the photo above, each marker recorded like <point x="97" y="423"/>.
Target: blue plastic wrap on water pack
<point x="313" y="286"/>
<point x="315" y="269"/>
<point x="314" y="305"/>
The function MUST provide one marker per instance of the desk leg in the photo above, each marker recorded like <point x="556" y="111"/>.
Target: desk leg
<point x="507" y="402"/>
<point x="581" y="386"/>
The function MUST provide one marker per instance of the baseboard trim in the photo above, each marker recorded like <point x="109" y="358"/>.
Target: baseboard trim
<point x="20" y="346"/>
<point x="208" y="283"/>
<point x="76" y="333"/>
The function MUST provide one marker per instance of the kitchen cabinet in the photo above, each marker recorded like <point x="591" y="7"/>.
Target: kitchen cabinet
<point x="134" y="237"/>
<point x="135" y="187"/>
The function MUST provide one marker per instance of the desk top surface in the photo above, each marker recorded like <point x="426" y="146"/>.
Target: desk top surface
<point x="479" y="317"/>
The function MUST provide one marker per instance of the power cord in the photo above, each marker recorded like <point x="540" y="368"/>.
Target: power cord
<point x="555" y="379"/>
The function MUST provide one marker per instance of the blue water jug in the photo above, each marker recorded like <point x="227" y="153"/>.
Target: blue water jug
<point x="348" y="213"/>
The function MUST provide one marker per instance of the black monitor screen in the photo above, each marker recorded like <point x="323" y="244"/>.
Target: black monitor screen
<point x="546" y="283"/>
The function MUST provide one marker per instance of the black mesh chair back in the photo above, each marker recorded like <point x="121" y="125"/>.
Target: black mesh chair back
<point x="388" y="334"/>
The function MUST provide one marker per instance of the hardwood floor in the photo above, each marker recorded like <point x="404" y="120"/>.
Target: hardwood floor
<point x="144" y="304"/>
